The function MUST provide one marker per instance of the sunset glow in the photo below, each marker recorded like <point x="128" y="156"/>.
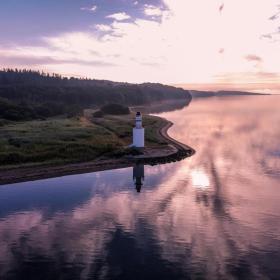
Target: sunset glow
<point x="225" y="42"/>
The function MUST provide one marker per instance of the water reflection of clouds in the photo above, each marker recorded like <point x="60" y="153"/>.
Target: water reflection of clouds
<point x="212" y="214"/>
<point x="240" y="183"/>
<point x="200" y="179"/>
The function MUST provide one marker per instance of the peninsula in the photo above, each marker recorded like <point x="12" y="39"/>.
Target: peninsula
<point x="39" y="142"/>
<point x="96" y="145"/>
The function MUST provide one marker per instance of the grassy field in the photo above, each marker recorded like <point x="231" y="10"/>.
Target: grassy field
<point x="121" y="126"/>
<point x="62" y="140"/>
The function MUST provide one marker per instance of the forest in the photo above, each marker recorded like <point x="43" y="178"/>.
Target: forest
<point x="28" y="95"/>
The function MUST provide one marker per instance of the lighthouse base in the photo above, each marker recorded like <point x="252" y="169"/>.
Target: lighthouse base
<point x="138" y="137"/>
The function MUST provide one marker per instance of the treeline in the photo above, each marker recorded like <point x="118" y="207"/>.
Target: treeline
<point x="221" y="93"/>
<point x="26" y="94"/>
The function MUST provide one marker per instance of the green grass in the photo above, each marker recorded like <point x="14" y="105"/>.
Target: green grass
<point x="62" y="140"/>
<point x="56" y="140"/>
<point x="122" y="126"/>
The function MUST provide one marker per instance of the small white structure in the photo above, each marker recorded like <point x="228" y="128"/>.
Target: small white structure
<point x="138" y="132"/>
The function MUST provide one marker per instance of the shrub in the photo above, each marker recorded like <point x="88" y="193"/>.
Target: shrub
<point x="98" y="114"/>
<point x="115" y="109"/>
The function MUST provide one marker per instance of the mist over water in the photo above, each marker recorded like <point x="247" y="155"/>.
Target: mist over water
<point x="215" y="215"/>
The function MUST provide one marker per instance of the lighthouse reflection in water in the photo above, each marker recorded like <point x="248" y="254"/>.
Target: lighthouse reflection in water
<point x="138" y="176"/>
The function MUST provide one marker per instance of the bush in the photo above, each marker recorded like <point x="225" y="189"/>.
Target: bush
<point x="115" y="109"/>
<point x="98" y="114"/>
<point x="3" y="122"/>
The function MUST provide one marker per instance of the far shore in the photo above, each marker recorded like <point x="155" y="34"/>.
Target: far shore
<point x="170" y="152"/>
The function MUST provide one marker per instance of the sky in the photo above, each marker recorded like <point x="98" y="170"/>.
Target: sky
<point x="230" y="43"/>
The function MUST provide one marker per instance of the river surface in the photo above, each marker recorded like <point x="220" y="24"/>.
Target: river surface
<point x="215" y="215"/>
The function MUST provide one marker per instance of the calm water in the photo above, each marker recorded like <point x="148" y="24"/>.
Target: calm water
<point x="215" y="215"/>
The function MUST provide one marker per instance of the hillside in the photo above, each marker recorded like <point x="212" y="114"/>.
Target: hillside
<point x="26" y="94"/>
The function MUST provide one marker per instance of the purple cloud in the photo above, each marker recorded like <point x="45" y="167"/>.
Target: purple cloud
<point x="253" y="58"/>
<point x="23" y="60"/>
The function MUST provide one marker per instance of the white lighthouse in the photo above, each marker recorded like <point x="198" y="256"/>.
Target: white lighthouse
<point x="138" y="132"/>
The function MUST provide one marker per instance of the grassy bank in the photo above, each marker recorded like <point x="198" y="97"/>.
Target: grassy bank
<point x="62" y="140"/>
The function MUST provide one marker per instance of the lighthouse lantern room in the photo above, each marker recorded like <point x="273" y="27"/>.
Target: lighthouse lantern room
<point x="138" y="132"/>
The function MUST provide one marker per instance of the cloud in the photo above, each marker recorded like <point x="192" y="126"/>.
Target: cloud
<point x="268" y="76"/>
<point x="103" y="27"/>
<point x="119" y="16"/>
<point x="254" y="58"/>
<point x="185" y="45"/>
<point x="275" y="16"/>
<point x="257" y="77"/>
<point x="266" y="36"/>
<point x="26" y="60"/>
<point x="221" y="7"/>
<point x="273" y="37"/>
<point x="151" y="10"/>
<point x="91" y="9"/>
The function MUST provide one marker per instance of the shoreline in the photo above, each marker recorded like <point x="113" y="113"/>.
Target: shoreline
<point x="171" y="152"/>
